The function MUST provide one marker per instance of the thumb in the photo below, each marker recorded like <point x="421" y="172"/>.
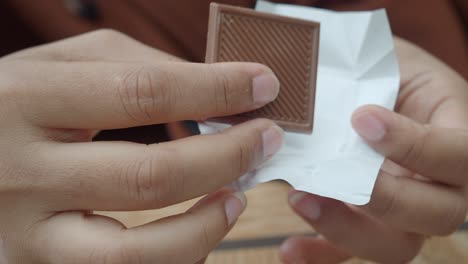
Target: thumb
<point x="435" y="152"/>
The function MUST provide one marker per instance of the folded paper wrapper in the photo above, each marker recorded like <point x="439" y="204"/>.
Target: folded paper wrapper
<point x="357" y="66"/>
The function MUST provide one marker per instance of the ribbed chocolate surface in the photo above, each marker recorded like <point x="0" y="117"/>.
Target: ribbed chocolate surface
<point x="288" y="46"/>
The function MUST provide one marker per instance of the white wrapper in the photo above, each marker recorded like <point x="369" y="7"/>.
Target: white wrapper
<point x="357" y="66"/>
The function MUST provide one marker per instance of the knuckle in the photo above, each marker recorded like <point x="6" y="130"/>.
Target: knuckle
<point x="204" y="243"/>
<point x="385" y="196"/>
<point x="147" y="91"/>
<point x="152" y="179"/>
<point x="17" y="176"/>
<point x="414" y="153"/>
<point x="205" y="240"/>
<point x="139" y="179"/>
<point x="223" y="92"/>
<point x="142" y="93"/>
<point x="456" y="216"/>
<point x="243" y="156"/>
<point x="169" y="179"/>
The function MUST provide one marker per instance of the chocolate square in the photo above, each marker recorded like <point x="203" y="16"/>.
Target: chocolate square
<point x="287" y="45"/>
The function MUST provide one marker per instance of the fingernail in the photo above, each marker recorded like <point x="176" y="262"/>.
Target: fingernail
<point x="289" y="253"/>
<point x="369" y="127"/>
<point x="234" y="206"/>
<point x="272" y="140"/>
<point x="265" y="88"/>
<point x="306" y="205"/>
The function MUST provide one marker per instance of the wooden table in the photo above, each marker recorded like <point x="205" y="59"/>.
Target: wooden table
<point x="268" y="220"/>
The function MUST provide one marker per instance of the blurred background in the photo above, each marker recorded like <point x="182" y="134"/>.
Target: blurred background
<point x="180" y="26"/>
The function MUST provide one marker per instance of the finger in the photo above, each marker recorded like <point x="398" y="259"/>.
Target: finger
<point x="437" y="153"/>
<point x="354" y="232"/>
<point x="423" y="74"/>
<point x="127" y="176"/>
<point x="185" y="238"/>
<point x="417" y="206"/>
<point x="119" y="95"/>
<point x="100" y="45"/>
<point x="418" y="67"/>
<point x="310" y="250"/>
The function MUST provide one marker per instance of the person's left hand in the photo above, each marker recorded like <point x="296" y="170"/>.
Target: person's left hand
<point x="421" y="189"/>
<point x="53" y="100"/>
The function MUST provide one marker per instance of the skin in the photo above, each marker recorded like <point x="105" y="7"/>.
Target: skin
<point x="55" y="98"/>
<point x="421" y="190"/>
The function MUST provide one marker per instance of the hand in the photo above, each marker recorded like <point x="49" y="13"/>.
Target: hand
<point x="421" y="190"/>
<point x="54" y="99"/>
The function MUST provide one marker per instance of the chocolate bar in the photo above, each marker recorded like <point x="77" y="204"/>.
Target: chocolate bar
<point x="287" y="45"/>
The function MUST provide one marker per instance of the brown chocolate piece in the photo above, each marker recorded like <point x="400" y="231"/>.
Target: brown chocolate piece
<point x="288" y="46"/>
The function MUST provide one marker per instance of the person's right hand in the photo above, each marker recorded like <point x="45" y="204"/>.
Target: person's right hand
<point x="422" y="187"/>
<point x="53" y="100"/>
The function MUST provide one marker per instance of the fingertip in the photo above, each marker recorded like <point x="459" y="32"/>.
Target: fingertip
<point x="265" y="84"/>
<point x="272" y="140"/>
<point x="294" y="197"/>
<point x="289" y="251"/>
<point x="311" y="250"/>
<point x="305" y="204"/>
<point x="375" y="110"/>
<point x="265" y="88"/>
<point x="270" y="134"/>
<point x="234" y="203"/>
<point x="368" y="124"/>
<point x="234" y="206"/>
